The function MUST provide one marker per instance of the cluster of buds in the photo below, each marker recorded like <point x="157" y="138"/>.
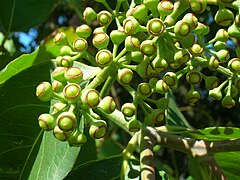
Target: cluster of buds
<point x="151" y="42"/>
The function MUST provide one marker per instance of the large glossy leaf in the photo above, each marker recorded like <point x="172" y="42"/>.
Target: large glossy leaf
<point x="17" y="15"/>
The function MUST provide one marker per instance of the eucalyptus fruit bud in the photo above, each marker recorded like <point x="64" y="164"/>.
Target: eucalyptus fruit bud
<point x="144" y="89"/>
<point x="134" y="125"/>
<point x="219" y="45"/>
<point x="234" y="31"/>
<point x="140" y="12"/>
<point x="66" y="121"/>
<point x="72" y="92"/>
<point x="46" y="122"/>
<point x="65" y="61"/>
<point x="161" y="87"/>
<point x="58" y="74"/>
<point x="58" y="107"/>
<point x="198" y="6"/>
<point x="60" y="134"/>
<point x="234" y="65"/>
<point x="104" y="18"/>
<point x="237" y="83"/>
<point x="117" y="36"/>
<point x="107" y="104"/>
<point x="60" y="39"/>
<point x="223" y="55"/>
<point x="76" y="138"/>
<point x="159" y="64"/>
<point x="90" y="98"/>
<point x="74" y="75"/>
<point x="197" y="49"/>
<point x="104" y="58"/>
<point x="132" y="43"/>
<point x="233" y="91"/>
<point x="44" y="91"/>
<point x="163" y="103"/>
<point x="237" y="20"/>
<point x="100" y="40"/>
<point x="148" y="47"/>
<point x="84" y="31"/>
<point x="181" y="28"/>
<point x="193" y="96"/>
<point x="216" y="93"/>
<point x="194" y="76"/>
<point x="213" y="63"/>
<point x="89" y="14"/>
<point x="165" y="7"/>
<point x="135" y="56"/>
<point x="201" y="29"/>
<point x="170" y="78"/>
<point x="144" y="69"/>
<point x="221" y="35"/>
<point x="124" y="76"/>
<point x="128" y="109"/>
<point x="228" y="102"/>
<point x="155" y="27"/>
<point x="211" y="82"/>
<point x="188" y="41"/>
<point x="131" y="26"/>
<point x="224" y="17"/>
<point x="182" y="56"/>
<point x="192" y="20"/>
<point x="57" y="86"/>
<point x="98" y="129"/>
<point x="66" y="50"/>
<point x="80" y="45"/>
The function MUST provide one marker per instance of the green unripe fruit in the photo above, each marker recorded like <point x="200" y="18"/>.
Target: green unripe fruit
<point x="80" y="45"/>
<point x="192" y="20"/>
<point x="67" y="121"/>
<point x="222" y="35"/>
<point x="237" y="20"/>
<point x="165" y="7"/>
<point x="201" y="29"/>
<point x="140" y="12"/>
<point x="144" y="89"/>
<point x="162" y="103"/>
<point x="124" y="76"/>
<point x="188" y="41"/>
<point x="66" y="50"/>
<point x="135" y="56"/>
<point x="219" y="45"/>
<point x="57" y="86"/>
<point x="198" y="6"/>
<point x="128" y="109"/>
<point x="213" y="63"/>
<point x="46" y="122"/>
<point x="131" y="26"/>
<point x="134" y="125"/>
<point x="192" y="96"/>
<point x="117" y="36"/>
<point x="99" y="30"/>
<point x="104" y="58"/>
<point x="98" y="129"/>
<point x="237" y="83"/>
<point x="223" y="55"/>
<point x="197" y="49"/>
<point x="65" y="61"/>
<point x="159" y="64"/>
<point x="233" y="91"/>
<point x="181" y="28"/>
<point x="234" y="65"/>
<point x="90" y="98"/>
<point x="74" y="75"/>
<point x="89" y="14"/>
<point x="76" y="138"/>
<point x="155" y="27"/>
<point x="182" y="56"/>
<point x="107" y="104"/>
<point x="170" y="78"/>
<point x="58" y="74"/>
<point x="104" y="18"/>
<point x="148" y="47"/>
<point x="211" y="82"/>
<point x="44" y="91"/>
<point x="100" y="40"/>
<point x="72" y="92"/>
<point x="194" y="76"/>
<point x="228" y="102"/>
<point x="60" y="39"/>
<point x="144" y="69"/>
<point x="132" y="43"/>
<point x="150" y="4"/>
<point x="152" y="82"/>
<point x="234" y="31"/>
<point x="224" y="17"/>
<point x="84" y="31"/>
<point x="58" y="61"/>
<point x="161" y="87"/>
<point x="58" y="107"/>
<point x="60" y="134"/>
<point x="158" y="115"/>
<point x="216" y="93"/>
<point x="200" y="61"/>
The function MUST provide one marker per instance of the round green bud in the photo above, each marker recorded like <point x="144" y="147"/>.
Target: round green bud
<point x="65" y="61"/>
<point x="188" y="41"/>
<point x="144" y="89"/>
<point x="213" y="63"/>
<point x="224" y="17"/>
<point x="99" y="30"/>
<point x="234" y="65"/>
<point x="44" y="91"/>
<point x="89" y="14"/>
<point x="73" y="75"/>
<point x="201" y="29"/>
<point x="152" y="82"/>
<point x="60" y="134"/>
<point x="128" y="109"/>
<point x="57" y="86"/>
<point x="165" y="7"/>
<point x="198" y="6"/>
<point x="194" y="76"/>
<point x="222" y="35"/>
<point x="98" y="129"/>
<point x="211" y="82"/>
<point x="58" y="107"/>
<point x="60" y="39"/>
<point x="219" y="45"/>
<point x="131" y="26"/>
<point x="144" y="69"/>
<point x="181" y="28"/>
<point x="66" y="121"/>
<point x="158" y="115"/>
<point x="233" y="91"/>
<point x="134" y="125"/>
<point x="117" y="36"/>
<point x="148" y="47"/>
<point x="100" y="40"/>
<point x="140" y="12"/>
<point x="216" y="93"/>
<point x="170" y="78"/>
<point x="46" y="122"/>
<point x="132" y="43"/>
<point x="66" y="50"/>
<point x="135" y="56"/>
<point x="182" y="56"/>
<point x="72" y="92"/>
<point x="234" y="31"/>
<point x="159" y="64"/>
<point x="228" y="102"/>
<point x="84" y="31"/>
<point x="155" y="27"/>
<point x="58" y="61"/>
<point x="124" y="76"/>
<point x="104" y="18"/>
<point x="192" y="20"/>
<point x="90" y="98"/>
<point x="150" y="4"/>
<point x="192" y="96"/>
<point x="104" y="58"/>
<point x="80" y="45"/>
<point x="107" y="104"/>
<point x="197" y="49"/>
<point x="76" y="138"/>
<point x="58" y="74"/>
<point x="223" y="55"/>
<point x="161" y="87"/>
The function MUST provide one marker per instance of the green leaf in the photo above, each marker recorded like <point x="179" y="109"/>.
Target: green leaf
<point x="18" y="15"/>
<point x="229" y="162"/>
<point x="108" y="168"/>
<point x="197" y="170"/>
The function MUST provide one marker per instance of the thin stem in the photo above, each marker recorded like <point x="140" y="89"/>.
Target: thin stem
<point x="107" y="86"/>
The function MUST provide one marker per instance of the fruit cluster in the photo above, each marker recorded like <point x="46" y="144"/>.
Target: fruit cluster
<point x="153" y="40"/>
